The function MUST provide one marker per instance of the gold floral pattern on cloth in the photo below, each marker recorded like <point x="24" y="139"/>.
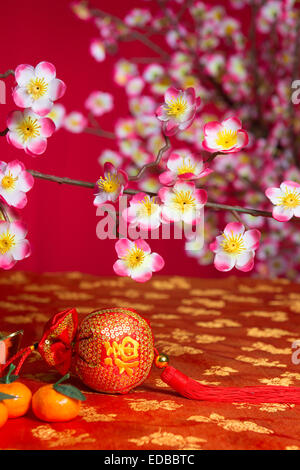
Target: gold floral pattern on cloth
<point x="231" y="424"/>
<point x="226" y="332"/>
<point x="167" y="439"/>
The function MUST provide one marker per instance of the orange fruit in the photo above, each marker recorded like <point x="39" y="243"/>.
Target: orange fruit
<point x="56" y="402"/>
<point x="20" y="403"/>
<point x="3" y="414"/>
<point x="18" y="406"/>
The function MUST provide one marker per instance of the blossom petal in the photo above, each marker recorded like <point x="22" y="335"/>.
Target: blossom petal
<point x="47" y="127"/>
<point x="224" y="262"/>
<point x="18" y="229"/>
<point x="16" y="199"/>
<point x="171" y="94"/>
<point x="13" y="119"/>
<point x="232" y="124"/>
<point x="212" y="128"/>
<point x="251" y="239"/>
<point x="120" y="268"/>
<point x="274" y="194"/>
<point x="282" y="214"/>
<point x="234" y="228"/>
<point x="22" y="98"/>
<point x="42" y="107"/>
<point x="170" y="127"/>
<point x="7" y="261"/>
<point x="22" y="250"/>
<point x="287" y="186"/>
<point x="45" y="70"/>
<point x="142" y="245"/>
<point x="167" y="178"/>
<point x="57" y="89"/>
<point x="142" y="276"/>
<point x="245" y="261"/>
<point x="122" y="246"/>
<point x="37" y="146"/>
<point x="23" y="74"/>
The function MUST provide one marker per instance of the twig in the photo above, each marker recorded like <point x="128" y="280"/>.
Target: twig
<point x="61" y="180"/>
<point x="152" y="164"/>
<point x="4" y="213"/>
<point x="3" y="133"/>
<point x="133" y="33"/>
<point x="212" y="205"/>
<point x="100" y="132"/>
<point x="7" y="73"/>
<point x="239" y="219"/>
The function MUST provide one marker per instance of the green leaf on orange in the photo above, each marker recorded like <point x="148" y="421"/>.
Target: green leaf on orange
<point x="5" y="396"/>
<point x="69" y="391"/>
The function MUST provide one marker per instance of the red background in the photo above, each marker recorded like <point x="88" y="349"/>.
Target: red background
<point x="62" y="219"/>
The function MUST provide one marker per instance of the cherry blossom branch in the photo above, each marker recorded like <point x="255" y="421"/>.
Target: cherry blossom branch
<point x="96" y="129"/>
<point x="7" y="73"/>
<point x="100" y="132"/>
<point x="212" y="205"/>
<point x="61" y="180"/>
<point x="3" y="133"/>
<point x="133" y="33"/>
<point x="3" y="212"/>
<point x="295" y="71"/>
<point x="253" y="56"/>
<point x="152" y="164"/>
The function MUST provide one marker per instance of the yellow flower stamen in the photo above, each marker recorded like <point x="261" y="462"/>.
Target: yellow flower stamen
<point x="7" y="241"/>
<point x="109" y="184"/>
<point x="186" y="167"/>
<point x="37" y="87"/>
<point x="147" y="207"/>
<point x="291" y="199"/>
<point x="8" y="181"/>
<point x="29" y="128"/>
<point x="233" y="244"/>
<point x="226" y="138"/>
<point x="184" y="200"/>
<point x="176" y="107"/>
<point x="135" y="257"/>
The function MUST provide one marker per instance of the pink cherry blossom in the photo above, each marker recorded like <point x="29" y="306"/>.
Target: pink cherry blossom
<point x="138" y="17"/>
<point x="97" y="50"/>
<point x="144" y="212"/>
<point x="99" y="103"/>
<point x="111" y="187"/>
<point x="183" y="168"/>
<point x="136" y="260"/>
<point x="183" y="202"/>
<point x="15" y="182"/>
<point x="286" y="200"/>
<point x="235" y="248"/>
<point x="28" y="131"/>
<point x="226" y="136"/>
<point x="57" y="114"/>
<point x="13" y="244"/>
<point x="179" y="110"/>
<point x="37" y="87"/>
<point x="75" y="122"/>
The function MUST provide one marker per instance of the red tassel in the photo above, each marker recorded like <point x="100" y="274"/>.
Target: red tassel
<point x="189" y="388"/>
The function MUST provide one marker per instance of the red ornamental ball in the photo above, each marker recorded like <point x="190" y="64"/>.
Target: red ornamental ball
<point x="114" y="350"/>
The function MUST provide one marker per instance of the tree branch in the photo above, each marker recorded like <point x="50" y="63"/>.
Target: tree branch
<point x="212" y="205"/>
<point x="133" y="33"/>
<point x="7" y="73"/>
<point x="152" y="164"/>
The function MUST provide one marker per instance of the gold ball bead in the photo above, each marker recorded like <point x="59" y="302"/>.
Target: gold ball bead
<point x="161" y="361"/>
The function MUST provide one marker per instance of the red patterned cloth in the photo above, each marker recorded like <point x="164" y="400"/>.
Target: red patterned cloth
<point x="229" y="332"/>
